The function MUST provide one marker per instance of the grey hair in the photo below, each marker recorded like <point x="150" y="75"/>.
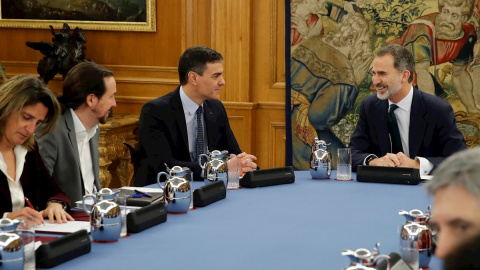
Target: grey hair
<point x="402" y="58"/>
<point x="461" y="169"/>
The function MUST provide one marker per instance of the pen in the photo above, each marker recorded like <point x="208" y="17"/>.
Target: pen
<point x="31" y="206"/>
<point x="143" y="193"/>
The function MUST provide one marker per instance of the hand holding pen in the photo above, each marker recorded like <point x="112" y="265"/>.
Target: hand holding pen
<point x="27" y="213"/>
<point x="31" y="217"/>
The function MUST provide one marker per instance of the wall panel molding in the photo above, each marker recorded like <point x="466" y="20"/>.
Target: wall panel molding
<point x="277" y="47"/>
<point x="277" y="144"/>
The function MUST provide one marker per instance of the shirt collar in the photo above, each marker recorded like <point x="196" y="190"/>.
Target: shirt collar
<point x="79" y="127"/>
<point x="187" y="103"/>
<point x="20" y="153"/>
<point x="406" y="103"/>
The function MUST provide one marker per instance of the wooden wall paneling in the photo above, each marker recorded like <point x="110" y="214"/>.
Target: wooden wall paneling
<point x="240" y="115"/>
<point x="277" y="144"/>
<point x="268" y="83"/>
<point x="270" y="131"/>
<point x="269" y="52"/>
<point x="277" y="55"/>
<point x="231" y="37"/>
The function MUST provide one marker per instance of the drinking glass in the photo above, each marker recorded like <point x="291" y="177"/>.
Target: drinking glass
<point x="121" y="200"/>
<point x="26" y="230"/>
<point x="233" y="173"/>
<point x="410" y="256"/>
<point x="344" y="164"/>
<point x="189" y="178"/>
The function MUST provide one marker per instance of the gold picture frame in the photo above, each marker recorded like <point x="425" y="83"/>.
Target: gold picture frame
<point x="107" y="15"/>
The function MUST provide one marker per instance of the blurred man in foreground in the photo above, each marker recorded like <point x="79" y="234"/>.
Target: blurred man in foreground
<point x="456" y="207"/>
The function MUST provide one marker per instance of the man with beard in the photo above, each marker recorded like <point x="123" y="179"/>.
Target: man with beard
<point x="325" y="74"/>
<point x="70" y="152"/>
<point x="440" y="38"/>
<point x="402" y="126"/>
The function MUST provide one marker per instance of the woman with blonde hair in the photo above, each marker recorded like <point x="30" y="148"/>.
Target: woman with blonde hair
<point x="28" y="106"/>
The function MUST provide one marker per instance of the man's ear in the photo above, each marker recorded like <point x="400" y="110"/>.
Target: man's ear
<point x="406" y="75"/>
<point x="91" y="100"/>
<point x="192" y="77"/>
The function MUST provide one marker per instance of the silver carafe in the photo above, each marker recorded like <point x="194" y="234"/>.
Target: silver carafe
<point x="320" y="160"/>
<point x="363" y="258"/>
<point x="177" y="189"/>
<point x="105" y="216"/>
<point x="416" y="233"/>
<point x="11" y="245"/>
<point x="216" y="167"/>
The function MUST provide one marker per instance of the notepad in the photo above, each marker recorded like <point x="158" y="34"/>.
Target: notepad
<point x="63" y="228"/>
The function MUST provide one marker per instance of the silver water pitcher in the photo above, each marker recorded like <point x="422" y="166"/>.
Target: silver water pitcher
<point x="105" y="215"/>
<point x="320" y="160"/>
<point x="11" y="245"/>
<point x="363" y="258"/>
<point x="416" y="232"/>
<point x="216" y="167"/>
<point x="177" y="189"/>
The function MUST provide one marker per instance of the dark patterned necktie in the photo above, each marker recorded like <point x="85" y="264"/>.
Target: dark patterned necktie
<point x="394" y="131"/>
<point x="199" y="144"/>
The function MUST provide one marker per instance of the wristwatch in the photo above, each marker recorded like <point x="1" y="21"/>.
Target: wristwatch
<point x="64" y="204"/>
<point x="370" y="158"/>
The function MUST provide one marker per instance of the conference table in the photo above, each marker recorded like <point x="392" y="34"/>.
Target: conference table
<point x="304" y="225"/>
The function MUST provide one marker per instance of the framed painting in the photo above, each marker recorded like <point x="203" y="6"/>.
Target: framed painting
<point x="114" y="15"/>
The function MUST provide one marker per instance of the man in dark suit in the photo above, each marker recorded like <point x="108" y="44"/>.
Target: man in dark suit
<point x="70" y="152"/>
<point x="176" y="128"/>
<point x="401" y="126"/>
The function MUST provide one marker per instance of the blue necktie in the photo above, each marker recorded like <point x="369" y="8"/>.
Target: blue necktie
<point x="394" y="131"/>
<point x="199" y="144"/>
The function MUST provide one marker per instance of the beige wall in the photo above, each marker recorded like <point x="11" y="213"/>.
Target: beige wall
<point x="248" y="33"/>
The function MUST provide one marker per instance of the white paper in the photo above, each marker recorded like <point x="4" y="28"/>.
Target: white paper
<point x="37" y="244"/>
<point x="426" y="177"/>
<point x="63" y="228"/>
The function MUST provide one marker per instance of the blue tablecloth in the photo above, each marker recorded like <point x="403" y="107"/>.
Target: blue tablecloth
<point x="304" y="225"/>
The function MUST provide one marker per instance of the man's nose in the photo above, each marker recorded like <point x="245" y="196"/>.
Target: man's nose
<point x="375" y="80"/>
<point x="221" y="81"/>
<point x="445" y="245"/>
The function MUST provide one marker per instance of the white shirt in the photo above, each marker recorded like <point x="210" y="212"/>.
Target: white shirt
<point x="403" y="118"/>
<point x="85" y="156"/>
<point x="16" y="190"/>
<point x="190" y="109"/>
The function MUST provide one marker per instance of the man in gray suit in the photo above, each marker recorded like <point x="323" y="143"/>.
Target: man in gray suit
<point x="71" y="151"/>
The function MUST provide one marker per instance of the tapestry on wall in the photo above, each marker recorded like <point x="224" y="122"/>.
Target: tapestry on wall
<point x="332" y="46"/>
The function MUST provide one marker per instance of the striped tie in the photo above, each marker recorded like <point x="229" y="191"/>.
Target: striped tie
<point x="199" y="145"/>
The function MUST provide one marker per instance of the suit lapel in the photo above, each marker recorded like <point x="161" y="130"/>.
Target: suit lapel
<point x="179" y="116"/>
<point x="71" y="135"/>
<point x="418" y="123"/>
<point x="381" y="124"/>
<point x="93" y="143"/>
